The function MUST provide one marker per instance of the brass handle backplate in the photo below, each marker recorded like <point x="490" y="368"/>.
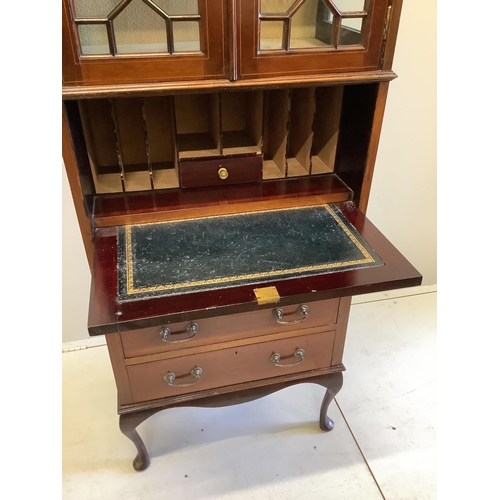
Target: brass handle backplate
<point x="302" y="310"/>
<point x="223" y="173"/>
<point x="300" y="354"/>
<point x="195" y="373"/>
<point x="191" y="331"/>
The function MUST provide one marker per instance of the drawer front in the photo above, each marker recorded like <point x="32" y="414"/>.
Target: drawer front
<point x="222" y="328"/>
<point x="225" y="367"/>
<point x="220" y="171"/>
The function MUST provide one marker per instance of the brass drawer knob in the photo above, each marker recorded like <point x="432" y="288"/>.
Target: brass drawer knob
<point x="195" y="373"/>
<point x="299" y="354"/>
<point x="223" y="173"/>
<point x="191" y="331"/>
<point x="302" y="310"/>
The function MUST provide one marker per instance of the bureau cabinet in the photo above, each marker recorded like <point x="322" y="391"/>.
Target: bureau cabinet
<point x="220" y="157"/>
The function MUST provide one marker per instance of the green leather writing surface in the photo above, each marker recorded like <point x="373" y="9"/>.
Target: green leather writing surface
<point x="207" y="253"/>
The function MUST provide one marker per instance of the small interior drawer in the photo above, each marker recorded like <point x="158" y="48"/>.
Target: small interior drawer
<point x="220" y="171"/>
<point x="222" y="328"/>
<point x="230" y="366"/>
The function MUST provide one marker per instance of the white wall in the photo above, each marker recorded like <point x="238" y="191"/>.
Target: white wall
<point x="403" y="197"/>
<point x="403" y="200"/>
<point x="75" y="272"/>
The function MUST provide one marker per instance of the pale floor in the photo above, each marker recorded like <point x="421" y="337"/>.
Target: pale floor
<point x="383" y="444"/>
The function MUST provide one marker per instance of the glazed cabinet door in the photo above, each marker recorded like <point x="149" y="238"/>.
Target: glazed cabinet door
<point x="133" y="41"/>
<point x="305" y="37"/>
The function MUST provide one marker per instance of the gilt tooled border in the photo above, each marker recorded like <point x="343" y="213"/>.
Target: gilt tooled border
<point x="131" y="290"/>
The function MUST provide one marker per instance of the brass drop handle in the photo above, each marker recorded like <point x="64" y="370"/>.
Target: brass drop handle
<point x="223" y="173"/>
<point x="302" y="310"/>
<point x="300" y="354"/>
<point x="191" y="331"/>
<point x="195" y="373"/>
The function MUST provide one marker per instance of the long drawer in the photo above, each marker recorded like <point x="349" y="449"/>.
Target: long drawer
<point x="191" y="373"/>
<point x="222" y="328"/>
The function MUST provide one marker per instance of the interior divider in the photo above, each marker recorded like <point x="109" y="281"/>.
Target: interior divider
<point x="197" y="121"/>
<point x="146" y="143"/>
<point x="216" y="117"/>
<point x="326" y="129"/>
<point x="276" y="123"/>
<point x="160" y="126"/>
<point x="116" y="134"/>
<point x="242" y="115"/>
<point x="131" y="147"/>
<point x="302" y="108"/>
<point x="136" y="143"/>
<point x="99" y="132"/>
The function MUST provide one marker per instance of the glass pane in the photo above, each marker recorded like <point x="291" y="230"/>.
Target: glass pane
<point x="350" y="5"/>
<point x="139" y="29"/>
<point x="305" y="26"/>
<point x="350" y="31"/>
<point x="93" y="39"/>
<point x="186" y="36"/>
<point x="98" y="9"/>
<point x="275" y="6"/>
<point x="178" y="7"/>
<point x="271" y="35"/>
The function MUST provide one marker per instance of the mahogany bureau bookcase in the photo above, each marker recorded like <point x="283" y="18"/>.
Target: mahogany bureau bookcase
<point x="220" y="155"/>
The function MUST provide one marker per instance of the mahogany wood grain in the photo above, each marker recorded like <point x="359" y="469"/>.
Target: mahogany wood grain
<point x="132" y="69"/>
<point x="217" y="329"/>
<point x="115" y="350"/>
<point x="112" y="210"/>
<point x="376" y="129"/>
<point x="253" y="391"/>
<point x="232" y="52"/>
<point x="131" y="419"/>
<point x="341" y="330"/>
<point x="225" y="342"/>
<point x="78" y="191"/>
<point x="102" y="307"/>
<point x="253" y="64"/>
<point x="355" y="134"/>
<point x="223" y="209"/>
<point x="392" y="32"/>
<point x="106" y="314"/>
<point x="333" y="387"/>
<point x="80" y="147"/>
<point x="195" y="86"/>
<point x="229" y="366"/>
<point x="72" y="71"/>
<point x="205" y="172"/>
<point x="251" y="206"/>
<point x="233" y="394"/>
<point x="128" y="424"/>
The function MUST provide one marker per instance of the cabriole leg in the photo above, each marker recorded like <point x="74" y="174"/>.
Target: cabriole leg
<point x="333" y="386"/>
<point x="128" y="424"/>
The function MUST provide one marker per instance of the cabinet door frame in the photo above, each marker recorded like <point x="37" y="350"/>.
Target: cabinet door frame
<point x="81" y="69"/>
<point x="253" y="64"/>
